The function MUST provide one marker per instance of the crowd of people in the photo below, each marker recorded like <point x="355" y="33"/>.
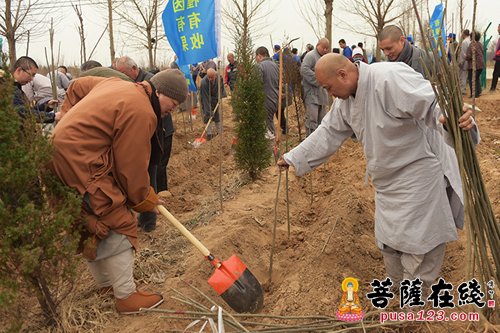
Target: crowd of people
<point x="113" y="137"/>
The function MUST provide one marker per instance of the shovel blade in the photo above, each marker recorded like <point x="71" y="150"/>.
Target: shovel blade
<point x="198" y="142"/>
<point x="237" y="286"/>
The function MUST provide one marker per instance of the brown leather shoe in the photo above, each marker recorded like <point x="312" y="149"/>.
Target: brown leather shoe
<point x="139" y="299"/>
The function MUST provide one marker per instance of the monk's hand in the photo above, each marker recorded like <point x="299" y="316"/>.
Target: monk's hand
<point x="466" y="121"/>
<point x="281" y="163"/>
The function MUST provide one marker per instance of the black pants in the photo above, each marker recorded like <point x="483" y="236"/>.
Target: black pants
<point x="478" y="82"/>
<point x="496" y="74"/>
<point x="283" y="118"/>
<point x="161" y="173"/>
<point x="147" y="220"/>
<point x="158" y="180"/>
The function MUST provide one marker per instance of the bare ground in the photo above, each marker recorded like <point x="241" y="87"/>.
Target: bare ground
<point x="331" y="217"/>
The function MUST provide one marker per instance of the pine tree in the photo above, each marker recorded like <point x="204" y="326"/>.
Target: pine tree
<point x="37" y="215"/>
<point x="252" y="150"/>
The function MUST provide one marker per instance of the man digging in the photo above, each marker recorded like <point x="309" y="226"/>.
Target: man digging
<point x="102" y="148"/>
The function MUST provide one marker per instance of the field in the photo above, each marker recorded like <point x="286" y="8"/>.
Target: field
<point x="331" y="235"/>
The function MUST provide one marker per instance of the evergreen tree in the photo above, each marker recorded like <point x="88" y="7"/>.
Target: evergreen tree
<point x="38" y="239"/>
<point x="252" y="150"/>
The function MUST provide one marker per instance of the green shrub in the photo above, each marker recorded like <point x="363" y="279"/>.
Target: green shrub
<point x="252" y="150"/>
<point x="37" y="215"/>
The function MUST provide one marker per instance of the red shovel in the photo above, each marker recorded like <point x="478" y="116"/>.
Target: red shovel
<point x="199" y="141"/>
<point x="232" y="280"/>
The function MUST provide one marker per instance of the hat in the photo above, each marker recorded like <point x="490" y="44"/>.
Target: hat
<point x="357" y="51"/>
<point x="171" y="83"/>
<point x="277" y="47"/>
<point x="452" y="36"/>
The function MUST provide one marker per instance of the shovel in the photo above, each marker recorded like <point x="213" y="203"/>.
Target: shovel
<point x="232" y="280"/>
<point x="199" y="141"/>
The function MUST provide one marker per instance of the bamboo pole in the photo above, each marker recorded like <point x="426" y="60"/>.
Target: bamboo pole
<point x="474" y="60"/>
<point x="273" y="242"/>
<point x="183" y="123"/>
<point x="221" y="137"/>
<point x="51" y="66"/>
<point x="286" y="171"/>
<point x="192" y="95"/>
<point x="276" y="158"/>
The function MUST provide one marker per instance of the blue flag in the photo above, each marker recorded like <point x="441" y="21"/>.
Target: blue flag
<point x="437" y="24"/>
<point x="192" y="29"/>
<point x="189" y="78"/>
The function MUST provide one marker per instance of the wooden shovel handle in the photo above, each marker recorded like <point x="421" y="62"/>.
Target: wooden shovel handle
<point x="184" y="231"/>
<point x="209" y="121"/>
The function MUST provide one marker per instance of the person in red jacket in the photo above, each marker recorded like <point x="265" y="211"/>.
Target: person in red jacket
<point x="231" y="72"/>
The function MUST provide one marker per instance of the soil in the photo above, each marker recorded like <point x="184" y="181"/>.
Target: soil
<point x="331" y="231"/>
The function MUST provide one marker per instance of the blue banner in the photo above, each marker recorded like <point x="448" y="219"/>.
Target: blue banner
<point x="186" y="69"/>
<point x="192" y="28"/>
<point x="437" y="24"/>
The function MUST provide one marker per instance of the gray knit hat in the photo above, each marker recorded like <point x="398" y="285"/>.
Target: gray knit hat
<point x="171" y="83"/>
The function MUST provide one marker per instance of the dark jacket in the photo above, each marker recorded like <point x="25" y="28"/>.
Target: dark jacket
<point x="42" y="113"/>
<point x="209" y="96"/>
<point x="477" y="48"/>
<point x="167" y="123"/>
<point x="143" y="76"/>
<point x="411" y="56"/>
<point x="231" y="75"/>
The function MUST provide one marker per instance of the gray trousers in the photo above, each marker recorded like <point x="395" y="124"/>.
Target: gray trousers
<point x="314" y="115"/>
<point x="271" y="110"/>
<point x="114" y="265"/>
<point x="463" y="80"/>
<point x="400" y="266"/>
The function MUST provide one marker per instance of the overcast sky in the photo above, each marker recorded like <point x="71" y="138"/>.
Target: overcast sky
<point x="284" y="19"/>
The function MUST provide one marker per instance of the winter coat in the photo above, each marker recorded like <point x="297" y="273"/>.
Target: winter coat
<point x="231" y="74"/>
<point x="105" y="72"/>
<point x="477" y="49"/>
<point x="143" y="76"/>
<point x="102" y="150"/>
<point x="41" y="112"/>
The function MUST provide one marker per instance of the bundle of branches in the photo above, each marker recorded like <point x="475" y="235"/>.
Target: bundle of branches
<point x="483" y="230"/>
<point x="246" y="322"/>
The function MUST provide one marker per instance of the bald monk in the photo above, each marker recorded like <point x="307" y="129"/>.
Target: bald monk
<point x="315" y="98"/>
<point x="418" y="192"/>
<point x="397" y="48"/>
<point x="209" y="98"/>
